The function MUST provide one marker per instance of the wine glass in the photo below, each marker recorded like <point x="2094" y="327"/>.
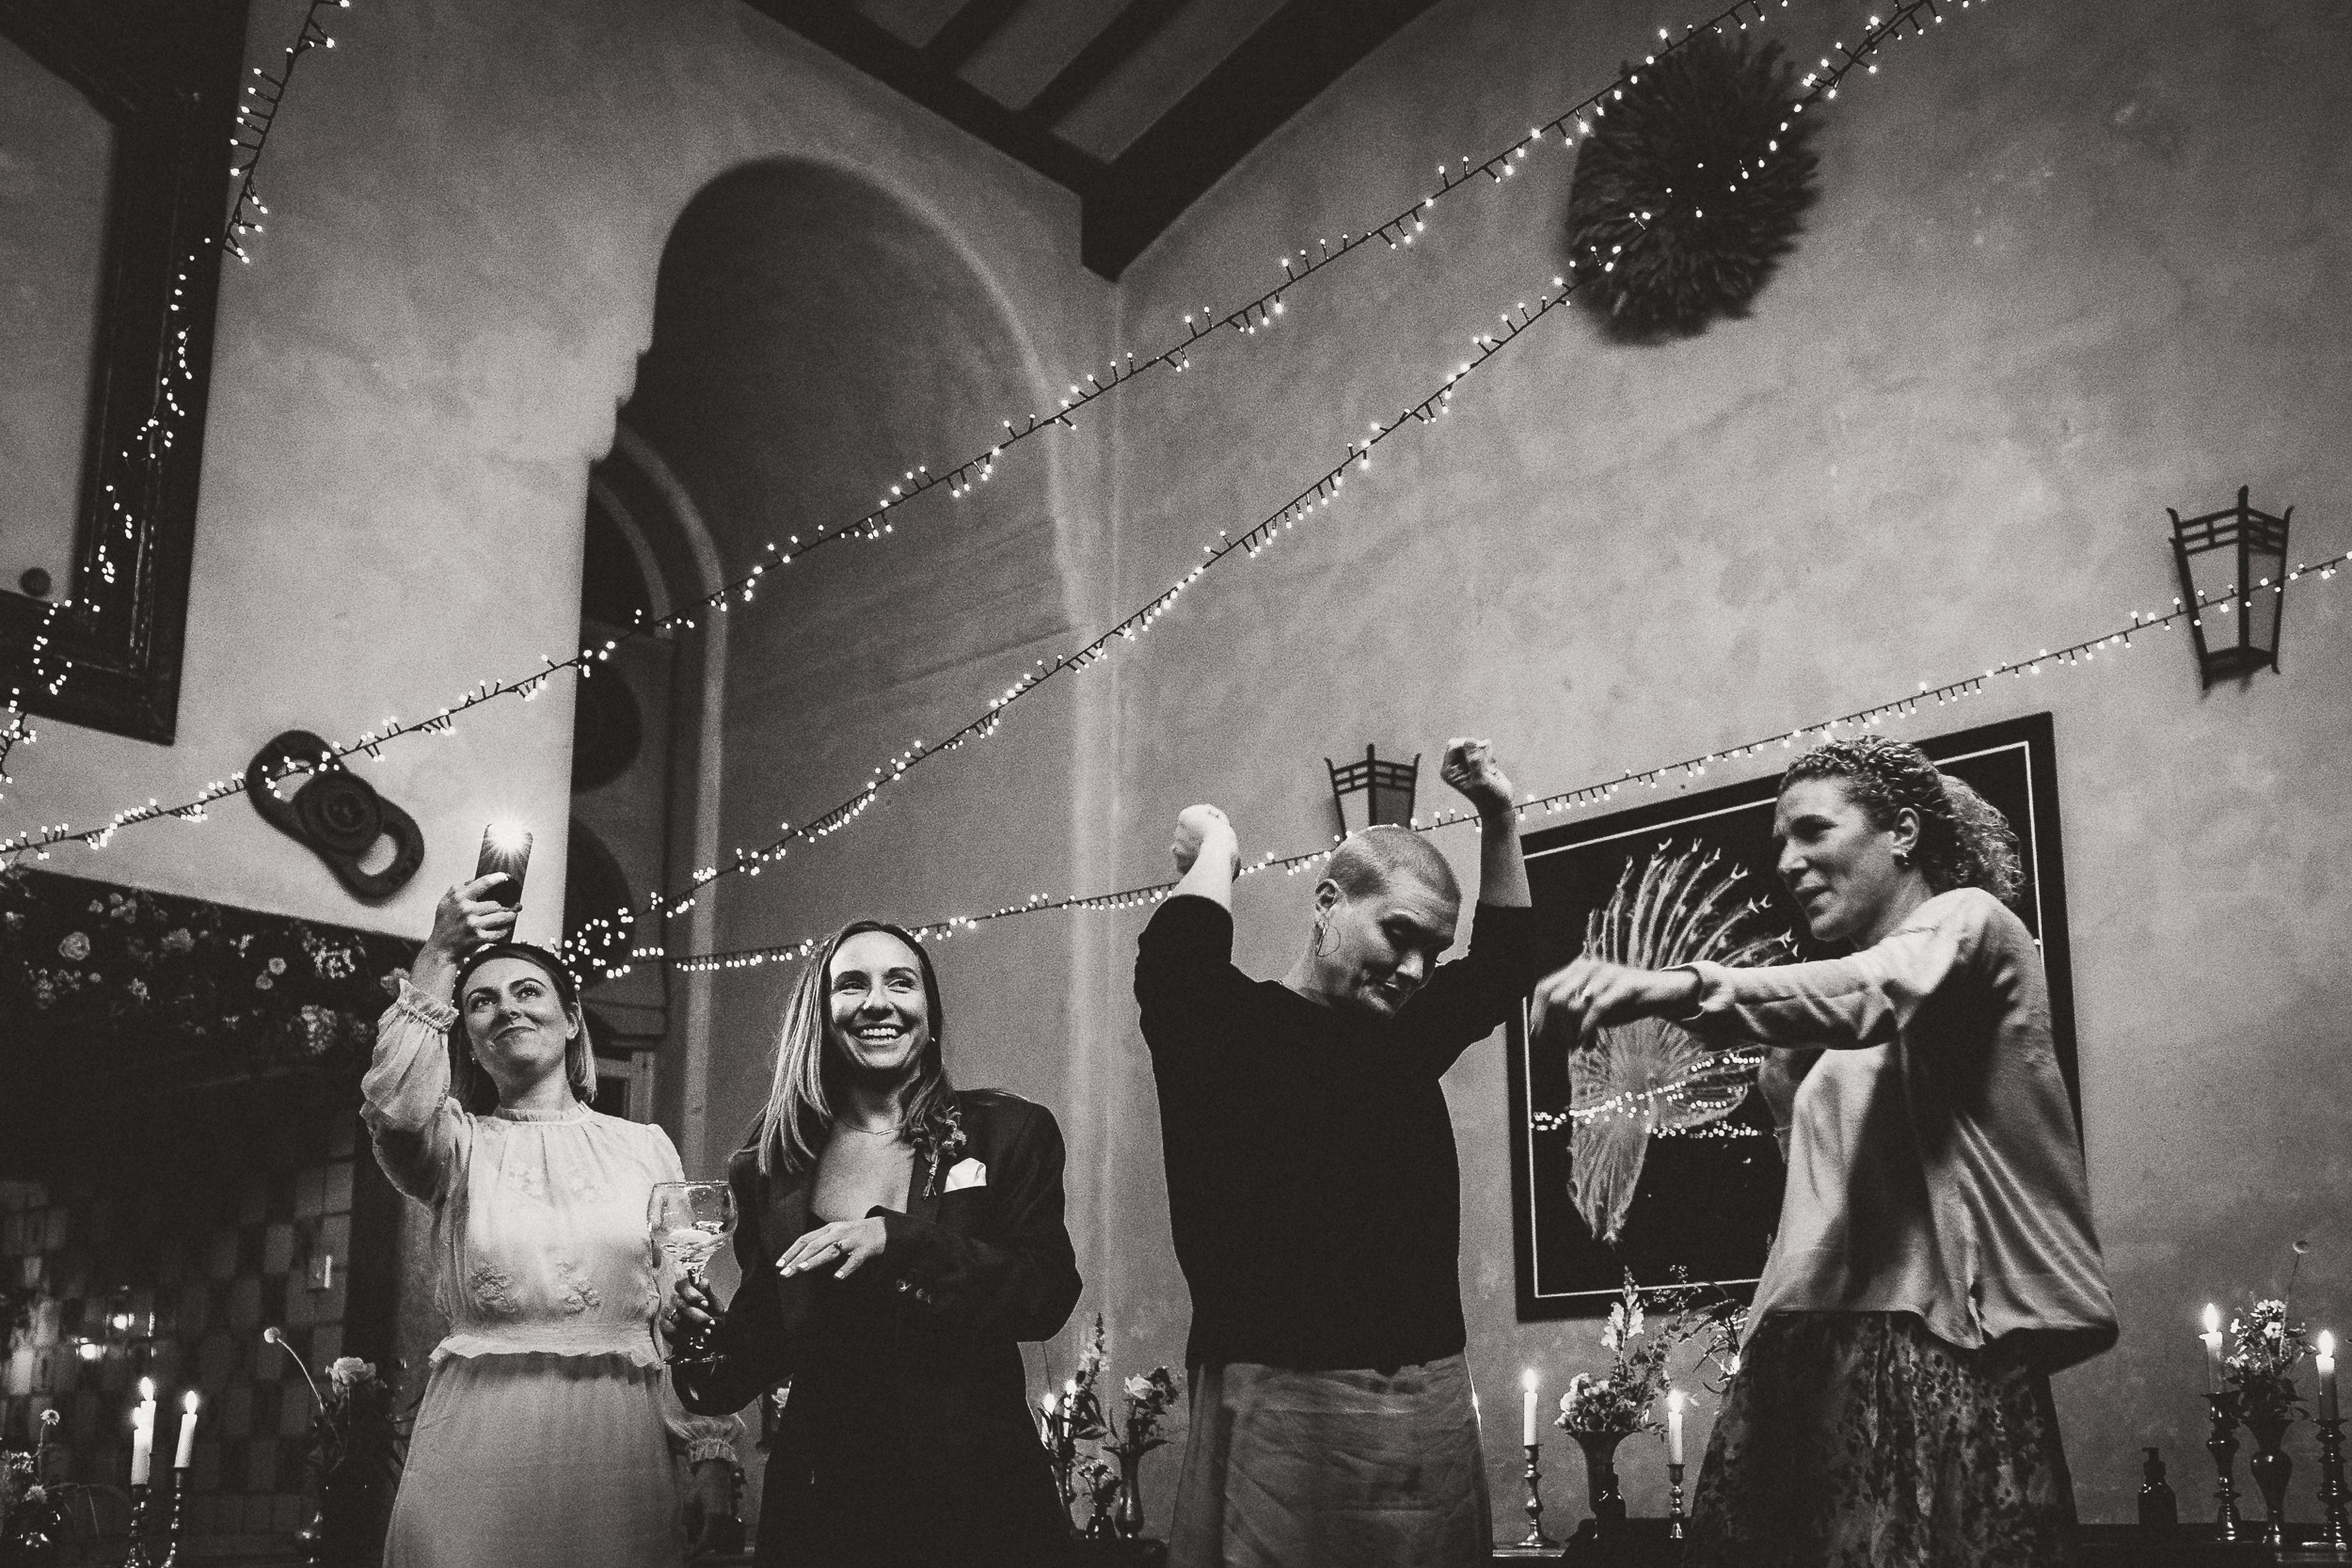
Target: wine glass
<point x="690" y="1221"/>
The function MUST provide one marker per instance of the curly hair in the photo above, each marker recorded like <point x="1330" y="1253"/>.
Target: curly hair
<point x="1964" y="841"/>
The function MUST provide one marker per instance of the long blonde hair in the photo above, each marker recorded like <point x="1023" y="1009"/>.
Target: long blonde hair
<point x="796" y="1121"/>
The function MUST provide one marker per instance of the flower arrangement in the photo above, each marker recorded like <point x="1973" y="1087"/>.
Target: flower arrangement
<point x="2258" y="1374"/>
<point x="90" y="971"/>
<point x="33" y="1508"/>
<point x="353" y="1455"/>
<point x="1641" y="1344"/>
<point x="1126" y="1436"/>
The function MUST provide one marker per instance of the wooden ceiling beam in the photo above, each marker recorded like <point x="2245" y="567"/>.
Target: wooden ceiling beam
<point x="968" y="31"/>
<point x="1111" y="48"/>
<point x="1301" y="50"/>
<point x="832" y="25"/>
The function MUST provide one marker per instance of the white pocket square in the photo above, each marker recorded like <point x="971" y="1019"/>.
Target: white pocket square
<point x="966" y="1173"/>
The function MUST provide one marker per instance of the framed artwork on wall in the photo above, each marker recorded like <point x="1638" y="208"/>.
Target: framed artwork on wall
<point x="123" y="114"/>
<point x="1693" y="1183"/>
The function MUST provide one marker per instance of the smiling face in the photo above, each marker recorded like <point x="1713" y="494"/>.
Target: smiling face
<point x="877" y="1010"/>
<point x="1840" y="867"/>
<point x="1378" y="946"/>
<point x="516" y="1022"/>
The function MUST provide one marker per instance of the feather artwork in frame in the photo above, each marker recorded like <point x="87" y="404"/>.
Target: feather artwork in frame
<point x="1641" y="1079"/>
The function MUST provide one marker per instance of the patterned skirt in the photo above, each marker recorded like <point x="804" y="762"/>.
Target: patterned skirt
<point x="1861" y="1440"/>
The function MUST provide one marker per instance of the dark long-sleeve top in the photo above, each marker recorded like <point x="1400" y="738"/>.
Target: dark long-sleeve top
<point x="913" y="1365"/>
<point x="1313" y="1184"/>
<point x="1933" y="1165"/>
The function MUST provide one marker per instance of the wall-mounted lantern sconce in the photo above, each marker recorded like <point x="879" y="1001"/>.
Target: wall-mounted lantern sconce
<point x="1372" y="791"/>
<point x="2233" y="569"/>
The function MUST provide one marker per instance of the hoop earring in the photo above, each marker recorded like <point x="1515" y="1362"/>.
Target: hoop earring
<point x="1319" y="931"/>
<point x="1902" y="859"/>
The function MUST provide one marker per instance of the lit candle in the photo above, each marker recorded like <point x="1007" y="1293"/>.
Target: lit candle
<point x="2212" y="1348"/>
<point x="188" y="1433"/>
<point x="143" y="1433"/>
<point x="1527" y="1409"/>
<point x="1046" y="1406"/>
<point x="2326" y="1377"/>
<point x="1674" y="1426"/>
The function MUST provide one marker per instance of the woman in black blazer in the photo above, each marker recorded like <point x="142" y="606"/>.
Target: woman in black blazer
<point x="898" y="1240"/>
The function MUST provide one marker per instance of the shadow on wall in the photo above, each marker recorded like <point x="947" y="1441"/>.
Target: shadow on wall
<point x="815" y="337"/>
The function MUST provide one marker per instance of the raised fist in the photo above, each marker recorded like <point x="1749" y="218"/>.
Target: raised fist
<point x="1197" y="827"/>
<point x="1471" y="767"/>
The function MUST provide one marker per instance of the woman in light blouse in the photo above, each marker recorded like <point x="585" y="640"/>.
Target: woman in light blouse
<point x="1935" y="1259"/>
<point x="547" y="1433"/>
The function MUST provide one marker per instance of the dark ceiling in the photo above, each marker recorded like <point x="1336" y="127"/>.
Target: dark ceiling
<point x="1138" y="105"/>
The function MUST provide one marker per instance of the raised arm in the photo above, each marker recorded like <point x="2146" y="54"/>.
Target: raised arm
<point x="1471" y="767"/>
<point x="1207" y="853"/>
<point x="406" y="1091"/>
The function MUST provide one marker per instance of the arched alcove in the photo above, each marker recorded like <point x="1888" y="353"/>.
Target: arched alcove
<point x="814" y="338"/>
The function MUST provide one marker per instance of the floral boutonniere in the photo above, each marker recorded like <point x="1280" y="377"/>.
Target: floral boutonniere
<point x="941" y="1142"/>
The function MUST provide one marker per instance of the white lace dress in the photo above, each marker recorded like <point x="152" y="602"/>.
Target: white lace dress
<point x="547" y="1433"/>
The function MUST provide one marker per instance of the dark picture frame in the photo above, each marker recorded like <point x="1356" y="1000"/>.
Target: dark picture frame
<point x="1709" y="1205"/>
<point x="163" y="73"/>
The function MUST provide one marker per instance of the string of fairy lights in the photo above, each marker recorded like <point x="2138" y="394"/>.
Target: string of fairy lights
<point x="1316" y="495"/>
<point x="257" y="111"/>
<point x="599" y="935"/>
<point x="1598" y="793"/>
<point x="959" y="479"/>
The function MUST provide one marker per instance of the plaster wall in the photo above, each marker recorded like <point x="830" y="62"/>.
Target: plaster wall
<point x="468" y="208"/>
<point x="2071" y="264"/>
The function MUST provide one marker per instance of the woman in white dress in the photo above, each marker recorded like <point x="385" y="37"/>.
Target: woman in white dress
<point x="548" y="1434"/>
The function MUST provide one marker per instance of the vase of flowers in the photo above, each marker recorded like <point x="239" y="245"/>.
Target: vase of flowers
<point x="32" y="1507"/>
<point x="1601" y="1411"/>
<point x="2258" y="1389"/>
<point x="353" y="1457"/>
<point x="1117" y="1496"/>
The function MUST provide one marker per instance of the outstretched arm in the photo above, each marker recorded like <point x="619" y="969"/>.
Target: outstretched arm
<point x="1471" y="767"/>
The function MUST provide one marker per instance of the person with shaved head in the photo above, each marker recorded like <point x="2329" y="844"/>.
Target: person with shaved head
<point x="1316" y="1195"/>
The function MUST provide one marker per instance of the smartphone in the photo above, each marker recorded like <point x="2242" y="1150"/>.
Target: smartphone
<point x="507" y="849"/>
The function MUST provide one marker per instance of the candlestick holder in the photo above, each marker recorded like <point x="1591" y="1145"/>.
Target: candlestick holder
<point x="1673" y="1502"/>
<point x="2334" y="1535"/>
<point x="2222" y="1444"/>
<point x="1535" y="1540"/>
<point x="136" y="1557"/>
<point x="178" y="1521"/>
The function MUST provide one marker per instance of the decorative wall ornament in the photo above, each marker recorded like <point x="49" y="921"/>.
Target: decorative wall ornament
<point x="336" y="814"/>
<point x="1372" y="792"/>
<point x="2234" y="571"/>
<point x="1670" y="190"/>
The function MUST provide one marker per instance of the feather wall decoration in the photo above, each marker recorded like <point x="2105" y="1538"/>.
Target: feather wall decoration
<point x="1650" y="1077"/>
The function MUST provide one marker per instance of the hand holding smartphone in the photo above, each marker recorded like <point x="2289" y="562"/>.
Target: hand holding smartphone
<point x="505" y="849"/>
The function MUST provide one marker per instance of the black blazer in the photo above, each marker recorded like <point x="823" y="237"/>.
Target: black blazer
<point x="926" y="1338"/>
